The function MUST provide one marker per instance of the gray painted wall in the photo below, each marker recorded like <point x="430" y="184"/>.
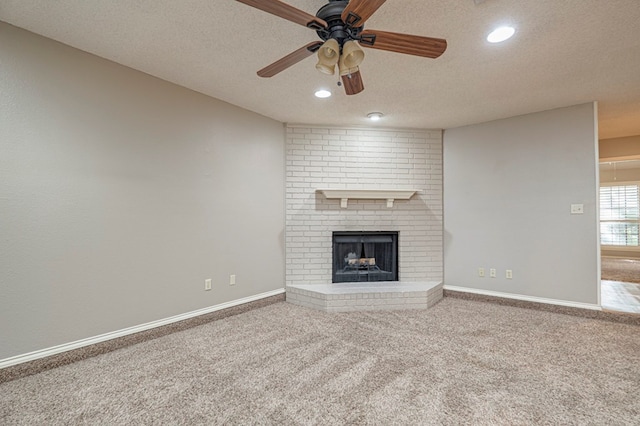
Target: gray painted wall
<point x="508" y="187"/>
<point x="121" y="193"/>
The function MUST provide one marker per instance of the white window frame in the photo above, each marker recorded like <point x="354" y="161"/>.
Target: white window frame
<point x="613" y="247"/>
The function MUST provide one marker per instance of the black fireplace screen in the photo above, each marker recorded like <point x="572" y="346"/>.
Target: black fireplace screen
<point x="365" y="256"/>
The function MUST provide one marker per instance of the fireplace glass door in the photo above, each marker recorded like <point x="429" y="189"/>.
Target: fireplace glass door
<point x="365" y="256"/>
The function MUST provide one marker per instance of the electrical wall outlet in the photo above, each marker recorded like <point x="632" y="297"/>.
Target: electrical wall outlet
<point x="232" y="279"/>
<point x="207" y="284"/>
<point x="508" y="274"/>
<point x="481" y="272"/>
<point x="492" y="272"/>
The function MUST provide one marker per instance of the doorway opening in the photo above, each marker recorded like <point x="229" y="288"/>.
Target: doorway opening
<point x="620" y="234"/>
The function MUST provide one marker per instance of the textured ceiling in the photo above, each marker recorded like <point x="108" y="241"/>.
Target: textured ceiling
<point x="564" y="53"/>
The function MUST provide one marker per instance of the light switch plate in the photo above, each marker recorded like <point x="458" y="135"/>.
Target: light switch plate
<point x="577" y="208"/>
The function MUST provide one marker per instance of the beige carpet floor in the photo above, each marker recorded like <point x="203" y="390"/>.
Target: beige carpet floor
<point x="462" y="362"/>
<point x="625" y="270"/>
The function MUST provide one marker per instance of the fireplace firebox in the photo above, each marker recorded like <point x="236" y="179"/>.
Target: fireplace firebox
<point x="365" y="256"/>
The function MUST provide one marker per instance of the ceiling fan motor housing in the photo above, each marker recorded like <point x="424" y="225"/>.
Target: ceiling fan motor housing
<point x="337" y="29"/>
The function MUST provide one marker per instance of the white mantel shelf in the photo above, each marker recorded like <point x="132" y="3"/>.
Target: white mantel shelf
<point x="368" y="194"/>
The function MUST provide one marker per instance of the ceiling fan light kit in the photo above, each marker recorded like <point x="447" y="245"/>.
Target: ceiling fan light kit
<point x="346" y="70"/>
<point x="328" y="56"/>
<point x="340" y="26"/>
<point x="352" y="55"/>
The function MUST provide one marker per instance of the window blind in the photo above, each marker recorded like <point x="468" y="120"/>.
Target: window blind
<point x="620" y="215"/>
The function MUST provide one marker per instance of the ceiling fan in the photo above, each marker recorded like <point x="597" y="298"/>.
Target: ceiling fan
<point x="340" y="26"/>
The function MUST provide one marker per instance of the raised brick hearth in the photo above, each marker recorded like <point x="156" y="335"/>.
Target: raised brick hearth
<point x="348" y="297"/>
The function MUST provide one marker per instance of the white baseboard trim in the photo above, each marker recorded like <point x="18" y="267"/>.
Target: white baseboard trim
<point x="19" y="359"/>
<point x="524" y="298"/>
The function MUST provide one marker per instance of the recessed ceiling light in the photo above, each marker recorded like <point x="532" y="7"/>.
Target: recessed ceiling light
<point x="323" y="94"/>
<point x="500" y="34"/>
<point x="375" y="116"/>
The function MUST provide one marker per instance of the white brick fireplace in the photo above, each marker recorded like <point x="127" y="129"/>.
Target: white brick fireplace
<point x="320" y="158"/>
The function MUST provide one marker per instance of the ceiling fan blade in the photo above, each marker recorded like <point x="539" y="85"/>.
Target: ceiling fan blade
<point x="291" y="59"/>
<point x="358" y="11"/>
<point x="404" y="43"/>
<point x="283" y="10"/>
<point x="353" y="83"/>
